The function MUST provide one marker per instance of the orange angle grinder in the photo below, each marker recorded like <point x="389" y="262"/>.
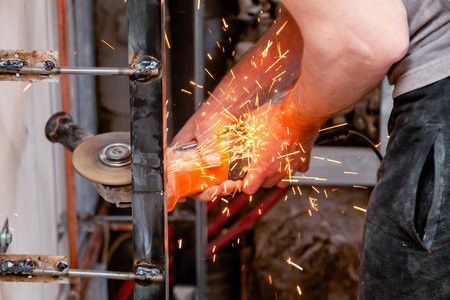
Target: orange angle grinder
<point x="105" y="160"/>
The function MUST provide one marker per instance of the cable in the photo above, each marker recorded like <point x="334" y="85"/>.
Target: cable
<point x="343" y="134"/>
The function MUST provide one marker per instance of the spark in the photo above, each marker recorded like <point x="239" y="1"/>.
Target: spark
<point x="187" y="92"/>
<point x="333" y="161"/>
<point x="281" y="28"/>
<point x="294" y="264"/>
<point x="285" y="198"/>
<point x="334" y="190"/>
<point x="208" y="73"/>
<point x="258" y="84"/>
<point x="281" y="57"/>
<point x="299" y="291"/>
<point x="328" y="128"/>
<point x="359" y="208"/>
<point x="224" y="200"/>
<point x="167" y="39"/>
<point x="270" y="279"/>
<point x="224" y="23"/>
<point x="360" y="187"/>
<point x="266" y="50"/>
<point x="108" y="45"/>
<point x="16" y="214"/>
<point x="26" y="88"/>
<point x="314" y="188"/>
<point x="250" y="198"/>
<point x="279" y="75"/>
<point x="180" y="241"/>
<point x="198" y="7"/>
<point x="325" y="192"/>
<point x="309" y="211"/>
<point x="351" y="173"/>
<point x="11" y="228"/>
<point x="209" y="56"/>
<point x="318" y="157"/>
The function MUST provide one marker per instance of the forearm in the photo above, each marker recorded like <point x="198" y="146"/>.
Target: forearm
<point x="270" y="65"/>
<point x="348" y="47"/>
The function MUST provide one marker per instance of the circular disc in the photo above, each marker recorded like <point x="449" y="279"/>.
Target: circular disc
<point x="86" y="160"/>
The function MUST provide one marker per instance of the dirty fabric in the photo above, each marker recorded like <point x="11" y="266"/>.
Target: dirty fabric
<point x="406" y="247"/>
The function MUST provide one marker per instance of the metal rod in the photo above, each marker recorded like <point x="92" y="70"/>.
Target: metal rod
<point x="201" y="238"/>
<point x="69" y="173"/>
<point x="147" y="146"/>
<point x="97" y="71"/>
<point x="171" y="218"/>
<point x="96" y="274"/>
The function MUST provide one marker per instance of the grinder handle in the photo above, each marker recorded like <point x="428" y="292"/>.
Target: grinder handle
<point x="61" y="128"/>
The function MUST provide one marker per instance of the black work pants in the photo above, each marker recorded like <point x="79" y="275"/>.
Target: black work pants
<point x="406" y="245"/>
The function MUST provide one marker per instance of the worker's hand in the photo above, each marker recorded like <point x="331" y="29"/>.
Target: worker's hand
<point x="203" y="127"/>
<point x="285" y="148"/>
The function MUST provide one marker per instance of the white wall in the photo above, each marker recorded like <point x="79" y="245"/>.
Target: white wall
<point x="32" y="192"/>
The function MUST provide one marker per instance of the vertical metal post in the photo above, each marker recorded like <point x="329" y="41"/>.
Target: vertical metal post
<point x="147" y="145"/>
<point x="201" y="238"/>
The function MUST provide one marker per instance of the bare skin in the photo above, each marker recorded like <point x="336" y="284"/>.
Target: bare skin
<point x="345" y="47"/>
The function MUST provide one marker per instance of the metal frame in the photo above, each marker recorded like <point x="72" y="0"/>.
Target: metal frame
<point x="147" y="146"/>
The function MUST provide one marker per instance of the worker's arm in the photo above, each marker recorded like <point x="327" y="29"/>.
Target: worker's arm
<point x="252" y="75"/>
<point x="349" y="45"/>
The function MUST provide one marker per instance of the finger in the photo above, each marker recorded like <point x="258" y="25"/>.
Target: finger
<point x="209" y="194"/>
<point x="283" y="184"/>
<point x="304" y="167"/>
<point x="252" y="182"/>
<point x="230" y="187"/>
<point x="272" y="180"/>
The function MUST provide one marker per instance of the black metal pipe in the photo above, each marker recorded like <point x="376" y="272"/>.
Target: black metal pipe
<point x="147" y="146"/>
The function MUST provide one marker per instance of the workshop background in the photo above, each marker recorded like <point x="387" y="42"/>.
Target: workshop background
<point x="297" y="243"/>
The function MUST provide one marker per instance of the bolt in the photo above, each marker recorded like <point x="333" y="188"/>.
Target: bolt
<point x="61" y="266"/>
<point x="6" y="238"/>
<point x="116" y="155"/>
<point x="117" y="152"/>
<point x="49" y="65"/>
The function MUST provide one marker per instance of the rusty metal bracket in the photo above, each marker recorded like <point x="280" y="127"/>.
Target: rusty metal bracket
<point x="21" y="65"/>
<point x="14" y="62"/>
<point x="20" y="268"/>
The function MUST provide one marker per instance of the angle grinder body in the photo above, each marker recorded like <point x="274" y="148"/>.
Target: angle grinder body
<point x="105" y="160"/>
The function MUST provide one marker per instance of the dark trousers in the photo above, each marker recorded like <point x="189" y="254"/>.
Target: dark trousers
<point x="406" y="245"/>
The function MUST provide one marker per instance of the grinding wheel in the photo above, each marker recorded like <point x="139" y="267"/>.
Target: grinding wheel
<point x="105" y="159"/>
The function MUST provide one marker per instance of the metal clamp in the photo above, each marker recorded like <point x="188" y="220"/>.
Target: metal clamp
<point x="18" y="65"/>
<point x="42" y="268"/>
